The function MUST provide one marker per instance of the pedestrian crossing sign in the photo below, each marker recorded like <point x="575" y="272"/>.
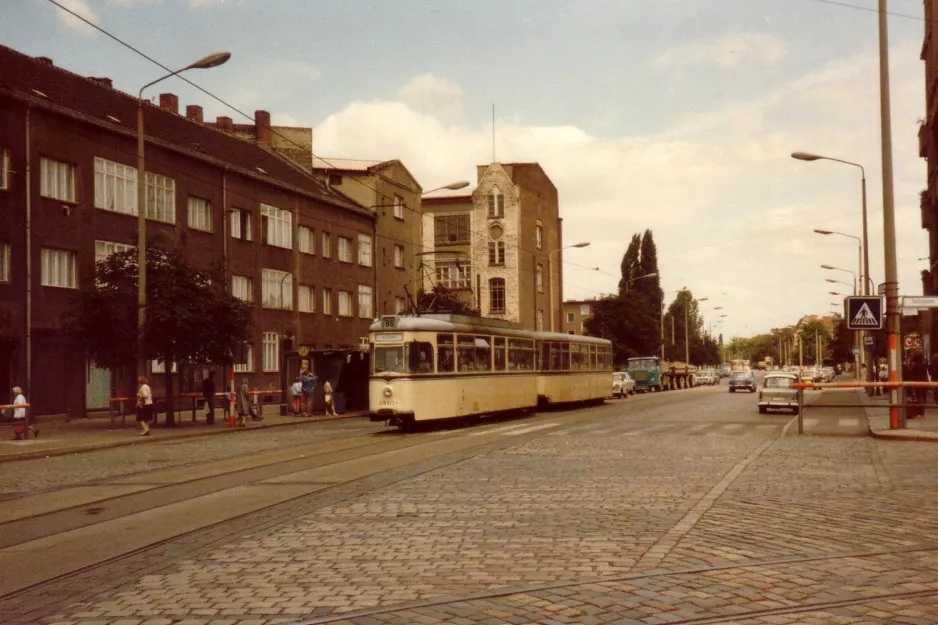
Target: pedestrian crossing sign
<point x="864" y="312"/>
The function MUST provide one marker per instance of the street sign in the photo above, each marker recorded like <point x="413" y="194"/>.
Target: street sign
<point x="863" y="312"/>
<point x="867" y="340"/>
<point x="912" y="341"/>
<point x="856" y="351"/>
<point x="919" y="301"/>
<point x="881" y="289"/>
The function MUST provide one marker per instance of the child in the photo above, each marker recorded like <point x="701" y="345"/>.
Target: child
<point x="297" y="392"/>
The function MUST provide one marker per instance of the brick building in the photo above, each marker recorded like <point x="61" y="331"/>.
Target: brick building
<point x="928" y="149"/>
<point x="498" y="246"/>
<point x="300" y="252"/>
<point x="392" y="194"/>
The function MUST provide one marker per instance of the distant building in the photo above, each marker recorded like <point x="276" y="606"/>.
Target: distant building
<point x="497" y="246"/>
<point x="575" y="315"/>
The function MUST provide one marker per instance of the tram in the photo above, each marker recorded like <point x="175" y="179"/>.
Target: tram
<point x="445" y="366"/>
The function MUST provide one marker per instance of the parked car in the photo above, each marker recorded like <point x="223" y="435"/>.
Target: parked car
<point x="743" y="381"/>
<point x="810" y="375"/>
<point x="622" y="384"/>
<point x="777" y="393"/>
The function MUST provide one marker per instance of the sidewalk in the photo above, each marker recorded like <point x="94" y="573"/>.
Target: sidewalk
<point x="58" y="438"/>
<point x="877" y="414"/>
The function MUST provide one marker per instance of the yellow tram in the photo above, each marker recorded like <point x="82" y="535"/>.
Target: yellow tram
<point x="442" y="366"/>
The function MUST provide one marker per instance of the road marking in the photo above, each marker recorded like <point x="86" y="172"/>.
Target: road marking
<point x="848" y="421"/>
<point x="533" y="428"/>
<point x="810" y="423"/>
<point x="700" y="427"/>
<point x="766" y="427"/>
<point x="733" y="426"/>
<point x="501" y="429"/>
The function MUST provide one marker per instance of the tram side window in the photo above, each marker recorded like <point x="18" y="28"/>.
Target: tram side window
<point x="576" y="357"/>
<point x="466" y="352"/>
<point x="483" y="353"/>
<point x="498" y="353"/>
<point x="419" y="357"/>
<point x="446" y="353"/>
<point x="520" y="354"/>
<point x="545" y="356"/>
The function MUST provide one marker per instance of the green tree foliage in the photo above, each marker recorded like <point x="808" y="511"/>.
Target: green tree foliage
<point x="703" y="350"/>
<point x="442" y="300"/>
<point x="631" y="263"/>
<point x="651" y="286"/>
<point x="191" y="316"/>
<point x="842" y="344"/>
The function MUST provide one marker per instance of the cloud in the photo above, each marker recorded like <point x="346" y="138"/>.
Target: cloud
<point x="432" y="94"/>
<point x="82" y="9"/>
<point x="725" y="52"/>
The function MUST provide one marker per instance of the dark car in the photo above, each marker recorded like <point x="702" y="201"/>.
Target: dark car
<point x="743" y="381"/>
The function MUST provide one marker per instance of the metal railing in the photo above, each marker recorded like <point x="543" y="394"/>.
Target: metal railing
<point x="889" y="385"/>
<point x="116" y="404"/>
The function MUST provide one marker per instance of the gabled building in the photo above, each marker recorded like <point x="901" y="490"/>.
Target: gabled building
<point x="498" y="245"/>
<point x="391" y="194"/>
<point x="302" y="254"/>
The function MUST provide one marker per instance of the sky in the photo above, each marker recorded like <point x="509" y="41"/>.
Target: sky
<point x="677" y="116"/>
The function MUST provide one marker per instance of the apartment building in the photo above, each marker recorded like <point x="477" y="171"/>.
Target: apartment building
<point x="575" y="315"/>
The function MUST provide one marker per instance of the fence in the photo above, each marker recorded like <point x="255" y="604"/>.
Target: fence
<point x="117" y="404"/>
<point x="897" y="410"/>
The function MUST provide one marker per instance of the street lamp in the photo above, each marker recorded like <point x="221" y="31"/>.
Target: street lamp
<point x="832" y="268"/>
<point x="859" y="252"/>
<point x="631" y="280"/>
<point x="453" y="186"/>
<point x="212" y="60"/>
<point x="550" y="276"/>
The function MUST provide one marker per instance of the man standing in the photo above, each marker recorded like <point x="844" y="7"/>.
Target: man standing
<point x="308" y="379"/>
<point x="208" y="392"/>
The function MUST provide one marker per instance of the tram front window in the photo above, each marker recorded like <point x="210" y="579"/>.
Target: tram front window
<point x="419" y="357"/>
<point x="389" y="359"/>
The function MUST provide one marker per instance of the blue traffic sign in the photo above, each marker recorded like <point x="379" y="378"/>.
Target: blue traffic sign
<point x="863" y="312"/>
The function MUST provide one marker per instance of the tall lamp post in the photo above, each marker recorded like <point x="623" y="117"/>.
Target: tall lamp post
<point x="859" y="360"/>
<point x="212" y="60"/>
<point x="687" y="331"/>
<point x="550" y="276"/>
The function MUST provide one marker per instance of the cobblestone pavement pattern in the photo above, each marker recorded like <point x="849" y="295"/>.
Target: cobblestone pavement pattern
<point x="595" y="526"/>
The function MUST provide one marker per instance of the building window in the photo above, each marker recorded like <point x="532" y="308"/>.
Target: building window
<point x="4" y="262"/>
<point x="248" y="365"/>
<point x="58" y="268"/>
<point x="200" y="214"/>
<point x="305" y="240"/>
<point x="158" y="366"/>
<point x="570" y="317"/>
<point x="327" y="301"/>
<point x="242" y="287"/>
<point x="161" y="198"/>
<point x="539" y="236"/>
<point x="305" y="296"/>
<point x="56" y="180"/>
<point x="539" y="275"/>
<point x="345" y="304"/>
<point x="103" y="249"/>
<point x="326" y="245"/>
<point x="271" y="351"/>
<point x="399" y="256"/>
<point x="364" y="301"/>
<point x="398" y="207"/>
<point x="364" y="250"/>
<point x="584" y="310"/>
<point x="276" y="289"/>
<point x="400" y="305"/>
<point x="539" y="322"/>
<point x="497" y="295"/>
<point x="454" y="274"/>
<point x="276" y="227"/>
<point x="4" y="169"/>
<point x="241" y="225"/>
<point x="115" y="186"/>
<point x="345" y="250"/>
<point x="496" y="204"/>
<point x="496" y="253"/>
<point x="451" y="229"/>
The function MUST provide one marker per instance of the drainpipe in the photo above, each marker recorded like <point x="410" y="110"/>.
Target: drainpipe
<point x="29" y="262"/>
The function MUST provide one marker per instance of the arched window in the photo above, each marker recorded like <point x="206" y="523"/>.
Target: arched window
<point x="497" y="295"/>
<point x="496" y="246"/>
<point x="496" y="204"/>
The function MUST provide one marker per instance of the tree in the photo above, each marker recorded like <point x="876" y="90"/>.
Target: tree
<point x="631" y="263"/>
<point x="441" y="300"/>
<point x="627" y="322"/>
<point x="191" y="316"/>
<point x="648" y="264"/>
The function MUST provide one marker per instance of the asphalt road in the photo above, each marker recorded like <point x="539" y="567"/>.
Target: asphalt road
<point x="582" y="516"/>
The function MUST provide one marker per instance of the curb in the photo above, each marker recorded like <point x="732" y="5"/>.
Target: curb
<point x="905" y="435"/>
<point x="138" y="440"/>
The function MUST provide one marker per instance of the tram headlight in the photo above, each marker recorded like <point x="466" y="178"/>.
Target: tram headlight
<point x="387" y="392"/>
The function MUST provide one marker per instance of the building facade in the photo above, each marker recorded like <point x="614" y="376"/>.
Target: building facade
<point x="575" y="315"/>
<point x="498" y="246"/>
<point x="300" y="253"/>
<point x="392" y="195"/>
<point x="928" y="149"/>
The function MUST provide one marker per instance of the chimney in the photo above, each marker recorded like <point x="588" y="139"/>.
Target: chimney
<point x="262" y="127"/>
<point x="45" y="60"/>
<point x="169" y="102"/>
<point x="104" y="82"/>
<point x="224" y="124"/>
<point x="194" y="112"/>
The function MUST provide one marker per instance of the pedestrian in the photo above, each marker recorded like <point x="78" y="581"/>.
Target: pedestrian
<point x="309" y="379"/>
<point x="144" y="406"/>
<point x="19" y="416"/>
<point x="244" y="405"/>
<point x="296" y="393"/>
<point x="917" y="371"/>
<point x="329" y="399"/>
<point x="933" y="376"/>
<point x="208" y="393"/>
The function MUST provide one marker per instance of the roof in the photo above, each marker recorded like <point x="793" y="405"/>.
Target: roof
<point x="344" y="164"/>
<point x="63" y="92"/>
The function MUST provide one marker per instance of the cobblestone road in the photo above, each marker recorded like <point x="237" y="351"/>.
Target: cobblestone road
<point x="697" y="513"/>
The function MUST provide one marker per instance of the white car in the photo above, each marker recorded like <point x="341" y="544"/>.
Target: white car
<point x="622" y="384"/>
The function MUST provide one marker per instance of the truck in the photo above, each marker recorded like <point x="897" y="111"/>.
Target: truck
<point x="769" y="362"/>
<point x="651" y="374"/>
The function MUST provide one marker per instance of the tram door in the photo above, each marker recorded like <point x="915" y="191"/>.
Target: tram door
<point x="97" y="386"/>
